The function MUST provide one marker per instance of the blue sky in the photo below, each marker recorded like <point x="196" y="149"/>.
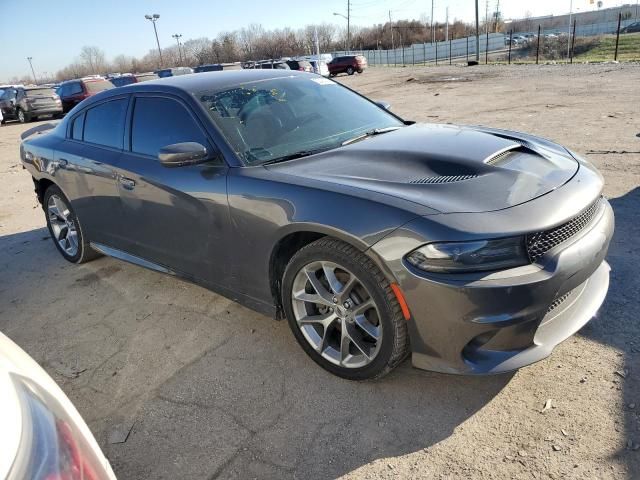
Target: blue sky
<point x="56" y="30"/>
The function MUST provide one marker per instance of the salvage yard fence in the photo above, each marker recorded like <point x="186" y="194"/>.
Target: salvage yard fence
<point x="596" y="42"/>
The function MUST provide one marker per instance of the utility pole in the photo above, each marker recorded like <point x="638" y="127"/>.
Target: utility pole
<point x="497" y="16"/>
<point x="153" y="19"/>
<point x="177" y="37"/>
<point x="35" y="80"/>
<point x="349" y="25"/>
<point x="570" y="15"/>
<point x="446" y="28"/>
<point x="393" y="45"/>
<point x="433" y="32"/>
<point x="477" y="33"/>
<point x="486" y="17"/>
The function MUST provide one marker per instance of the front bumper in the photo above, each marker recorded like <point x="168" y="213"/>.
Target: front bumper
<point x="506" y="320"/>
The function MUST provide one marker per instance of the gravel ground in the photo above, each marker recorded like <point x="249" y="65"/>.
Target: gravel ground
<point x="203" y="388"/>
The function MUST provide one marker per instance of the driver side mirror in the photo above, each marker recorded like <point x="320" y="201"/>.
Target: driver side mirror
<point x="182" y="154"/>
<point x="384" y="105"/>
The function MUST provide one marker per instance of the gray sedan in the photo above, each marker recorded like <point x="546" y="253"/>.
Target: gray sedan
<point x="473" y="250"/>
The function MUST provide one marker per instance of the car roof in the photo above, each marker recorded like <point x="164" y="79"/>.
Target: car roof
<point x="197" y="82"/>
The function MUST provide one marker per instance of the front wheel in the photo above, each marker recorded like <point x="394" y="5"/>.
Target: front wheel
<point x="343" y="312"/>
<point x="350" y="71"/>
<point x="22" y="117"/>
<point x="65" y="228"/>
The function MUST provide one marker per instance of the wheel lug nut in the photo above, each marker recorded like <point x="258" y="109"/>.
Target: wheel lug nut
<point x="335" y="299"/>
<point x="346" y="305"/>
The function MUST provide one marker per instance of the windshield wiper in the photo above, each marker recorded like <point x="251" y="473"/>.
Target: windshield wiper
<point x="293" y="156"/>
<point x="370" y="133"/>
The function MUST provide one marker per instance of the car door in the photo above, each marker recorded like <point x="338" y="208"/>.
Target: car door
<point x="85" y="168"/>
<point x="176" y="217"/>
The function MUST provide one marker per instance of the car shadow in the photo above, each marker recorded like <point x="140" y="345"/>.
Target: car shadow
<point x="617" y="322"/>
<point x="177" y="382"/>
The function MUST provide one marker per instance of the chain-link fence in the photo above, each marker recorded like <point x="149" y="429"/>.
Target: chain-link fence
<point x="616" y="40"/>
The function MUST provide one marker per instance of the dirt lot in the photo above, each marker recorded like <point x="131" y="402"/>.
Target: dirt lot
<point x="209" y="389"/>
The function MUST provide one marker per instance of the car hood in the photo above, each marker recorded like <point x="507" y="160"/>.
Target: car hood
<point x="444" y="167"/>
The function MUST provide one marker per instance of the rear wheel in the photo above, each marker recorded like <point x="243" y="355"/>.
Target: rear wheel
<point x="342" y="311"/>
<point x="65" y="228"/>
<point x="350" y="71"/>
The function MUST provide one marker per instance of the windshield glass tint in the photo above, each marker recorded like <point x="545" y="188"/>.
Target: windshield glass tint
<point x="269" y="119"/>
<point x="95" y="87"/>
<point x="36" y="92"/>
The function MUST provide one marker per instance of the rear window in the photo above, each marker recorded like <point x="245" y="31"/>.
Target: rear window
<point x="145" y="78"/>
<point x="98" y="86"/>
<point x="36" y="92"/>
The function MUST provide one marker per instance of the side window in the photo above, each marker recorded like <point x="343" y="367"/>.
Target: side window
<point x="77" y="127"/>
<point x="104" y="124"/>
<point x="74" y="88"/>
<point x="158" y="122"/>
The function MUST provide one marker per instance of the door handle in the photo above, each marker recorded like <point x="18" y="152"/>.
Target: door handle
<point x="127" y="183"/>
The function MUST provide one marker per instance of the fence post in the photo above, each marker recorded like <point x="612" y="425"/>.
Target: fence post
<point x="510" y="43"/>
<point x="486" y="50"/>
<point x="467" y="49"/>
<point x="436" y="53"/>
<point x="615" y="57"/>
<point x="424" y="53"/>
<point x="449" y="51"/>
<point x="413" y="54"/>
<point x="403" y="62"/>
<point x="538" y="49"/>
<point x="573" y="41"/>
<point x="388" y="64"/>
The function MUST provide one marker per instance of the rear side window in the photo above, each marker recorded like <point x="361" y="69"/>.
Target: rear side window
<point x="77" y="127"/>
<point x="73" y="88"/>
<point x="104" y="124"/>
<point x="98" y="86"/>
<point x="158" y="122"/>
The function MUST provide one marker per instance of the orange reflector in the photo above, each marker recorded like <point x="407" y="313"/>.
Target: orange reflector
<point x="403" y="303"/>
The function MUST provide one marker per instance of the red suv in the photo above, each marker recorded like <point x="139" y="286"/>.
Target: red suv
<point x="349" y="64"/>
<point x="74" y="91"/>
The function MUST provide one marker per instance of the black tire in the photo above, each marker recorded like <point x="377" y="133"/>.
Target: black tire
<point x="395" y="339"/>
<point x="85" y="253"/>
<point x="350" y="71"/>
<point x="22" y="116"/>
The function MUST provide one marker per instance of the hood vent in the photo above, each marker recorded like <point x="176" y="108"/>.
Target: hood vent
<point x="442" y="179"/>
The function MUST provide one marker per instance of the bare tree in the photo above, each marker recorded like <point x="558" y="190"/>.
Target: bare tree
<point x="93" y="58"/>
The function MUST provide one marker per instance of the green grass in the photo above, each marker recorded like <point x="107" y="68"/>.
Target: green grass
<point x="604" y="49"/>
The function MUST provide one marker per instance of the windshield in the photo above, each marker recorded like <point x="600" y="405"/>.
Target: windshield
<point x="36" y="92"/>
<point x="276" y="118"/>
<point x="98" y="86"/>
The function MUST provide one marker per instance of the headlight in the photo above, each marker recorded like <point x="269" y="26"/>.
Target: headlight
<point x="474" y="256"/>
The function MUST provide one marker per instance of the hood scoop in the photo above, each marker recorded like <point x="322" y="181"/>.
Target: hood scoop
<point x="442" y="179"/>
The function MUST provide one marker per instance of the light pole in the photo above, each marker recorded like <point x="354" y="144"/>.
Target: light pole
<point x="153" y="19"/>
<point x="348" y="45"/>
<point x="177" y="36"/>
<point x="35" y="80"/>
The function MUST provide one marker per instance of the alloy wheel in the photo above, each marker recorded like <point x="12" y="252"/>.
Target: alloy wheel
<point x="336" y="314"/>
<point x="21" y="117"/>
<point x="62" y="225"/>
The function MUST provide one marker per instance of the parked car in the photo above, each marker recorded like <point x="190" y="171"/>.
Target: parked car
<point x="43" y="435"/>
<point x="300" y="65"/>
<point x="128" y="79"/>
<point x="473" y="249"/>
<point x="28" y="103"/>
<point x="320" y="67"/>
<point x="216" y="67"/>
<point x="633" y="28"/>
<point x="348" y="64"/>
<point x="273" y="64"/>
<point x="173" y="72"/>
<point x="73" y="92"/>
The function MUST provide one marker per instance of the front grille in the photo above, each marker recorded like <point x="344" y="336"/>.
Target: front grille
<point x="540" y="243"/>
<point x="443" y="179"/>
